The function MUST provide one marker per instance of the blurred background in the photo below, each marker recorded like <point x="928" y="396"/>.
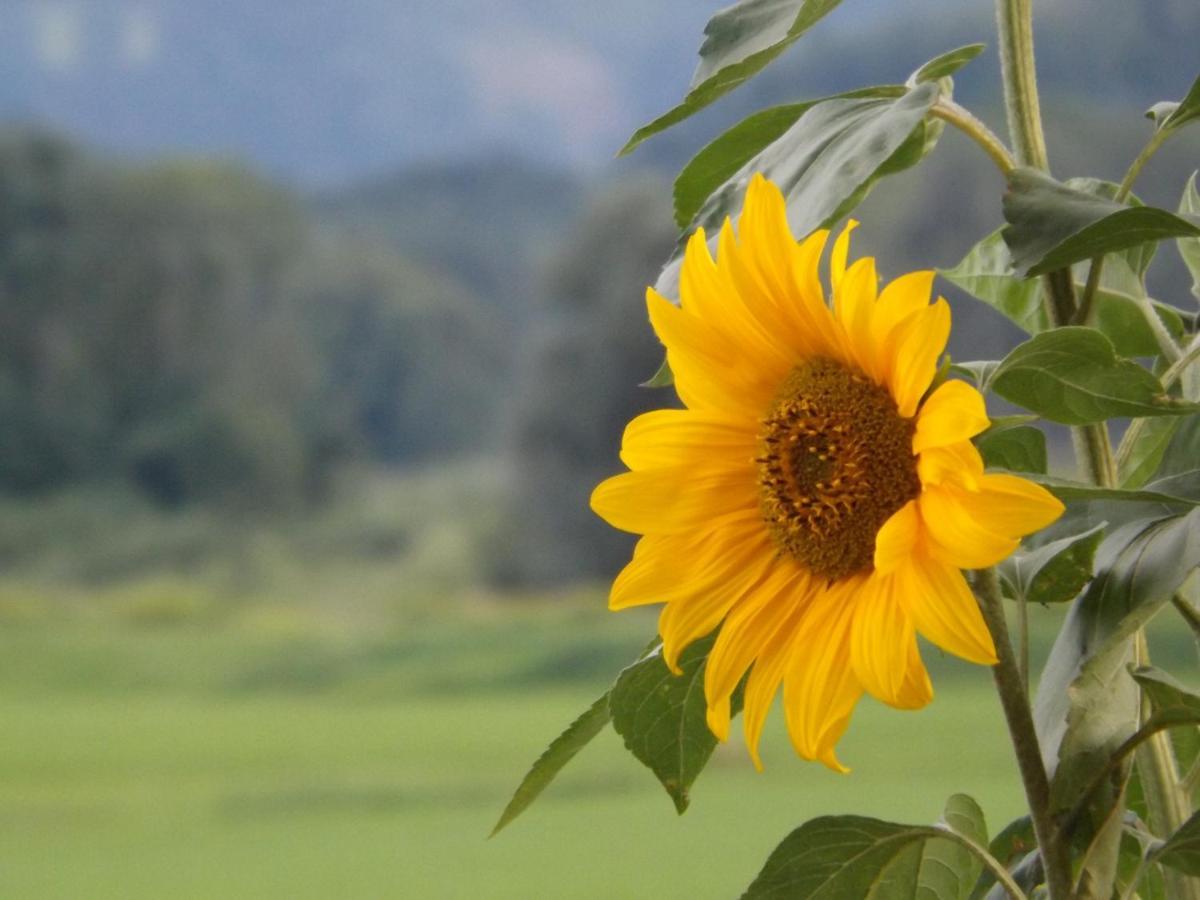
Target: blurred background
<point x="319" y="321"/>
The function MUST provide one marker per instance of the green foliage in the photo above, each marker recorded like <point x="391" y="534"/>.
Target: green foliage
<point x="739" y="42"/>
<point x="1170" y="115"/>
<point x="853" y="856"/>
<point x="986" y="273"/>
<point x="723" y="158"/>
<point x="661" y="717"/>
<point x="1011" y="443"/>
<point x="1074" y="376"/>
<point x="1182" y="849"/>
<point x="560" y="752"/>
<point x="1054" y="572"/>
<point x="1052" y="225"/>
<point x="1189" y="248"/>
<point x="1087" y="704"/>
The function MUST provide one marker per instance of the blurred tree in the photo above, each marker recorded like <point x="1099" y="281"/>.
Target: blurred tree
<point x="182" y="326"/>
<point x="578" y="386"/>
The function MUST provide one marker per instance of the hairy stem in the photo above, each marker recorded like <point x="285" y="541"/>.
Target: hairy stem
<point x="1024" y="737"/>
<point x="966" y="122"/>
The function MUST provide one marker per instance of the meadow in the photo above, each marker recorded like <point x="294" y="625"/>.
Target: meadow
<point x="352" y="727"/>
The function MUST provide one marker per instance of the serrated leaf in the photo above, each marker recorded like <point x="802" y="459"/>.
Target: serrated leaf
<point x="1181" y="851"/>
<point x="1189" y="248"/>
<point x="1055" y="572"/>
<point x="824" y="164"/>
<point x="1186" y="110"/>
<point x="739" y="42"/>
<point x="1073" y="376"/>
<point x="1019" y="448"/>
<point x="560" y="752"/>
<point x="1052" y="225"/>
<point x="1087" y="703"/>
<point x="721" y="159"/>
<point x="661" y="718"/>
<point x="836" y="857"/>
<point x="946" y="64"/>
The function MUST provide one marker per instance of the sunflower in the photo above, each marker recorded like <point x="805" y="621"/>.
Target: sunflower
<point x="818" y="496"/>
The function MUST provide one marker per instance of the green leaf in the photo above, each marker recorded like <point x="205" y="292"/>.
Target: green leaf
<point x="1149" y="447"/>
<point x="664" y="377"/>
<point x="1181" y="851"/>
<point x="1156" y="492"/>
<point x="1134" y="845"/>
<point x="946" y="64"/>
<point x="1009" y="847"/>
<point x="661" y="717"/>
<point x="560" y="752"/>
<point x="739" y="42"/>
<point x="986" y="274"/>
<point x="1055" y="572"/>
<point x="1087" y="704"/>
<point x="720" y="160"/>
<point x="1186" y="110"/>
<point x="836" y="857"/>
<point x="1189" y="248"/>
<point x="1074" y="376"/>
<point x="1019" y="448"/>
<point x="1052" y="225"/>
<point x="824" y="164"/>
<point x="979" y="371"/>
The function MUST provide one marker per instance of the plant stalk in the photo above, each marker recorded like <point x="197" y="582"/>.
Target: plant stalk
<point x="966" y="122"/>
<point x="1017" y="714"/>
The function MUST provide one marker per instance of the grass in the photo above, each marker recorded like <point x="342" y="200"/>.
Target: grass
<point x="270" y="756"/>
<point x="332" y="720"/>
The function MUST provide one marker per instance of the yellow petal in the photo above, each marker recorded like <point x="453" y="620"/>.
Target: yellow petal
<point x="667" y="501"/>
<point x="953" y="413"/>
<point x="958" y="464"/>
<point x="747" y="629"/>
<point x="679" y="437"/>
<point x="837" y="259"/>
<point x="898" y="300"/>
<point x="668" y="567"/>
<point x="819" y="687"/>
<point x="767" y="675"/>
<point x="706" y="375"/>
<point x="854" y="303"/>
<point x="689" y="618"/>
<point x="1013" y="506"/>
<point x="707" y="292"/>
<point x="894" y="542"/>
<point x="881" y="642"/>
<point x="919" y="342"/>
<point x="955" y="535"/>
<point x="944" y="610"/>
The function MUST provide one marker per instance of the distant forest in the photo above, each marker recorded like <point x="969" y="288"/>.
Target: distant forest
<point x="206" y="337"/>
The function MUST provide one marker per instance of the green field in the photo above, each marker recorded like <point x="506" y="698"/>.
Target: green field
<point x="267" y="758"/>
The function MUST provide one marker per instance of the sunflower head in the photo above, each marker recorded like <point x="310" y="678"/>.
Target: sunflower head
<point x="817" y="497"/>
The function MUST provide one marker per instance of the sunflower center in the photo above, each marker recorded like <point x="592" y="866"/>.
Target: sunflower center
<point x="836" y="462"/>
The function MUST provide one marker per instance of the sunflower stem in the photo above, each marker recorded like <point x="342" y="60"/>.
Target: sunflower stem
<point x="1015" y="703"/>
